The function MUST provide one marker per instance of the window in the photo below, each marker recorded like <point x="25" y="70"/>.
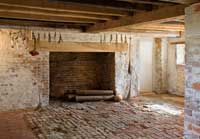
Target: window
<point x="180" y="54"/>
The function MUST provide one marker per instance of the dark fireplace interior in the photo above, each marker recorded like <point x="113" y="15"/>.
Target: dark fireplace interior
<point x="81" y="71"/>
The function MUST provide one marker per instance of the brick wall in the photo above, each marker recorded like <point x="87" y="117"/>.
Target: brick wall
<point x="70" y="71"/>
<point x="192" y="93"/>
<point x="23" y="78"/>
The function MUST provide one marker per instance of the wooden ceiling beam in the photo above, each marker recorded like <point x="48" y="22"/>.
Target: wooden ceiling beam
<point x="18" y="10"/>
<point x="35" y="17"/>
<point x="160" y="27"/>
<point x="181" y="1"/>
<point x="67" y="7"/>
<point x="148" y="31"/>
<point x="159" y="3"/>
<point x="21" y="24"/>
<point x="156" y="16"/>
<point x="119" y="4"/>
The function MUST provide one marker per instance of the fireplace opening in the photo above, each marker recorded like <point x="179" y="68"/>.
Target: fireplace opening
<point x="91" y="75"/>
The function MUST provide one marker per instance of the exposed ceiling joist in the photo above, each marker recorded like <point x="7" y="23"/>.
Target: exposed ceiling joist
<point x="35" y="17"/>
<point x="159" y="3"/>
<point x="15" y="9"/>
<point x="120" y="4"/>
<point x="156" y="16"/>
<point x="22" y="24"/>
<point x="181" y="1"/>
<point x="67" y="7"/>
<point x="159" y="27"/>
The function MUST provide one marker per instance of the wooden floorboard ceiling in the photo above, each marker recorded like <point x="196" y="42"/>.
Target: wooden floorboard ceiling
<point x="94" y="16"/>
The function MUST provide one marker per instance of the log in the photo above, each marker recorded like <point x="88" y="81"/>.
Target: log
<point x="94" y="92"/>
<point x="93" y="98"/>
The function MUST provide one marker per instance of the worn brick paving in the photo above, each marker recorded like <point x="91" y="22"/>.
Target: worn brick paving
<point x="136" y="119"/>
<point x="13" y="126"/>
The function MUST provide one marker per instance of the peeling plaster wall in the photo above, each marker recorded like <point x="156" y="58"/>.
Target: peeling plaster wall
<point x="164" y="63"/>
<point x="160" y="65"/>
<point x="168" y="76"/>
<point x="23" y="79"/>
<point x="157" y="76"/>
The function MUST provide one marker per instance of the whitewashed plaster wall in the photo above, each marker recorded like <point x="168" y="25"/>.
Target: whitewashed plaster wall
<point x="175" y="73"/>
<point x="146" y="64"/>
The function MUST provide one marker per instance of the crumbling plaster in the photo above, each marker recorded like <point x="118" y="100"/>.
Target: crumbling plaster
<point x="23" y="78"/>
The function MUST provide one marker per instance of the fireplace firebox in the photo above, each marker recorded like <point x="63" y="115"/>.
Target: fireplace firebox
<point x="71" y="71"/>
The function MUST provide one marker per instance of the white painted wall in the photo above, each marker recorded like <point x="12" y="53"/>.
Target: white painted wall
<point x="146" y="64"/>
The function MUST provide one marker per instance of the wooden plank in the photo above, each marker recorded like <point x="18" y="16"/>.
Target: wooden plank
<point x="159" y="27"/>
<point x="182" y="1"/>
<point x="156" y="16"/>
<point x="159" y="3"/>
<point x="38" y="17"/>
<point x="175" y="41"/>
<point x="67" y="6"/>
<point x="33" y="25"/>
<point x="18" y="10"/>
<point x="79" y="47"/>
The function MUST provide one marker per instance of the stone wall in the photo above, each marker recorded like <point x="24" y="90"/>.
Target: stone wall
<point x="192" y="93"/>
<point x="86" y="71"/>
<point x="24" y="79"/>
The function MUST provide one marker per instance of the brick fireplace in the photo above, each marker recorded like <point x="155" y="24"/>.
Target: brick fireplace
<point x="27" y="81"/>
<point x="82" y="71"/>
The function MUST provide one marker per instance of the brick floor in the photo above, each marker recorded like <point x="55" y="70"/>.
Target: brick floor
<point x="13" y="126"/>
<point x="136" y="119"/>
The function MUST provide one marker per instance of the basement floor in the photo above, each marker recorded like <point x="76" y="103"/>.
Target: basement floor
<point x="147" y="117"/>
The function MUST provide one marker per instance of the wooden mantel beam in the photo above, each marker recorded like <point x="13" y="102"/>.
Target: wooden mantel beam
<point x="156" y="16"/>
<point x="79" y="47"/>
